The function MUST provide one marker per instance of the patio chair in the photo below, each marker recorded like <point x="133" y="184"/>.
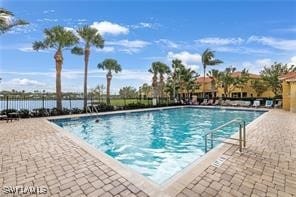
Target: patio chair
<point x="268" y="103"/>
<point x="5" y="117"/>
<point x="210" y="102"/>
<point x="278" y="105"/>
<point x="226" y="103"/>
<point x="217" y="102"/>
<point x="256" y="103"/>
<point x="246" y="103"/>
<point x="205" y="101"/>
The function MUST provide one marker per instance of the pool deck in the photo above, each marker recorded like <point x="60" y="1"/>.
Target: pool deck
<point x="34" y="152"/>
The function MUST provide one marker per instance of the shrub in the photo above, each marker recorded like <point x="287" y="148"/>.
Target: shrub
<point x="7" y="111"/>
<point x="40" y="112"/>
<point x="24" y="113"/>
<point x="134" y="106"/>
<point x="76" y="111"/>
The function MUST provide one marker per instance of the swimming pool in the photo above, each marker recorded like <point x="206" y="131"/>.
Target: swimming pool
<point x="157" y="143"/>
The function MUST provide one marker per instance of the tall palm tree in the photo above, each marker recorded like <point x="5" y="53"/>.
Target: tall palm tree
<point x="7" y="21"/>
<point x="154" y="70"/>
<point x="58" y="38"/>
<point x="109" y="65"/>
<point x="208" y="59"/>
<point x="162" y="70"/>
<point x="91" y="37"/>
<point x="177" y="68"/>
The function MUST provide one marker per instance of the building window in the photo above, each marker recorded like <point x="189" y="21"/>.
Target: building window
<point x="245" y="94"/>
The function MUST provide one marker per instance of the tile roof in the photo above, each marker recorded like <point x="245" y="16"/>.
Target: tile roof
<point x="291" y="76"/>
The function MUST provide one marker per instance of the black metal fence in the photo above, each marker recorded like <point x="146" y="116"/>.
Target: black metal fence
<point x="19" y="102"/>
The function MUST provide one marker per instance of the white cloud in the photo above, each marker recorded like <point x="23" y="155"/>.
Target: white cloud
<point x="167" y="43"/>
<point x="25" y="82"/>
<point x="106" y="27"/>
<point x="220" y="41"/>
<point x="191" y="60"/>
<point x="292" y="61"/>
<point x="144" y="25"/>
<point x="282" y="44"/>
<point x="105" y="49"/>
<point x="128" y="46"/>
<point x="48" y="20"/>
<point x="264" y="62"/>
<point x="48" y="11"/>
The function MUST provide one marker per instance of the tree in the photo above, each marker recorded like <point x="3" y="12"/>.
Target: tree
<point x="109" y="65"/>
<point x="229" y="82"/>
<point x="208" y="59"/>
<point x="271" y="76"/>
<point x="58" y="38"/>
<point x="162" y="69"/>
<point x="91" y="37"/>
<point x="215" y="76"/>
<point x="154" y="70"/>
<point x="188" y="81"/>
<point x="8" y="21"/>
<point x="99" y="90"/>
<point x="146" y="89"/>
<point x="175" y="75"/>
<point x="259" y="86"/>
<point x="128" y="92"/>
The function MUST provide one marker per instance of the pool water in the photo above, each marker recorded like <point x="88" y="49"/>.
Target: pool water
<point x="158" y="143"/>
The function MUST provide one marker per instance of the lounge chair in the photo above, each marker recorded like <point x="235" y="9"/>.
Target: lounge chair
<point x="217" y="102"/>
<point x="278" y="105"/>
<point x="4" y="117"/>
<point x="256" y="103"/>
<point x="210" y="102"/>
<point x="234" y="103"/>
<point x="268" y="103"/>
<point x="205" y="102"/>
<point x="226" y="103"/>
<point x="245" y="103"/>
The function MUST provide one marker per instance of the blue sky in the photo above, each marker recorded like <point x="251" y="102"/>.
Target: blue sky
<point x="244" y="34"/>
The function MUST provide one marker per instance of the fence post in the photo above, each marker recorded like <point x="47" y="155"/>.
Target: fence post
<point x="43" y="102"/>
<point x="6" y="104"/>
<point x="70" y="103"/>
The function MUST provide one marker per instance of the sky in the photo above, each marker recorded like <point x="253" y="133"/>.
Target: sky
<point x="244" y="34"/>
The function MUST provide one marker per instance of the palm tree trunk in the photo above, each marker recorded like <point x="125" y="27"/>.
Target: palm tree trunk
<point x="204" y="85"/>
<point x="109" y="77"/>
<point x="86" y="59"/>
<point x="59" y="62"/>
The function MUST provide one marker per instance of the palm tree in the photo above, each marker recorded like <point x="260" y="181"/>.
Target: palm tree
<point x="162" y="70"/>
<point x="188" y="81"/>
<point x="208" y="59"/>
<point x="154" y="70"/>
<point x="177" y="67"/>
<point x="215" y="76"/>
<point x="7" y="21"/>
<point x="91" y="37"/>
<point x="58" y="38"/>
<point x="109" y="65"/>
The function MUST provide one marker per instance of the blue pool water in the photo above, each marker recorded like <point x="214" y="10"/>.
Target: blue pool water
<point x="157" y="144"/>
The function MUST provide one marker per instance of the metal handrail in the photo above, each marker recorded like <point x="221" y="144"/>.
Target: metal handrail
<point x="242" y="134"/>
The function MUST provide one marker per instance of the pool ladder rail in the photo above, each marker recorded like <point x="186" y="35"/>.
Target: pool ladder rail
<point x="241" y="140"/>
<point x="90" y="111"/>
